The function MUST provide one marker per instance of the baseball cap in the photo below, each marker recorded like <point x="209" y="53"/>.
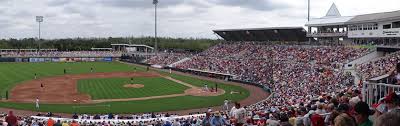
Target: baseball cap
<point x="380" y="107"/>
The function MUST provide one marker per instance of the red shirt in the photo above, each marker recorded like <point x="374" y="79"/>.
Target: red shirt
<point x="11" y="120"/>
<point x="50" y="122"/>
<point x="74" y="124"/>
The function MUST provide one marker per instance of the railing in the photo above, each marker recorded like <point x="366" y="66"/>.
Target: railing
<point x="372" y="92"/>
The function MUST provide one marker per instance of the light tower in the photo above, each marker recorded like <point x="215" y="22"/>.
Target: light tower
<point x="155" y="2"/>
<point x="39" y="19"/>
<point x="308" y="19"/>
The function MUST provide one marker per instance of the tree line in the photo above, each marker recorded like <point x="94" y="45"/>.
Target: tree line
<point x="77" y="44"/>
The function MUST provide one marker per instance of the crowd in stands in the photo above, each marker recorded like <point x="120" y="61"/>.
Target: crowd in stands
<point x="380" y="66"/>
<point x="342" y="109"/>
<point x="165" y="59"/>
<point x="252" y="62"/>
<point x="62" y="54"/>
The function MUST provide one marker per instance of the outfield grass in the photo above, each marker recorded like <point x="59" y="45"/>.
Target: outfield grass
<point x="112" y="88"/>
<point x="13" y="73"/>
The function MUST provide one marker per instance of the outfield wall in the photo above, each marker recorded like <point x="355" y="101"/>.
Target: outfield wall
<point x="58" y="59"/>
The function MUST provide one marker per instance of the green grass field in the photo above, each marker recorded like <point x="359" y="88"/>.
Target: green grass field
<point x="14" y="73"/>
<point x="111" y="88"/>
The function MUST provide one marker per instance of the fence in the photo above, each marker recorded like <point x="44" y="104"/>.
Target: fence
<point x="372" y="92"/>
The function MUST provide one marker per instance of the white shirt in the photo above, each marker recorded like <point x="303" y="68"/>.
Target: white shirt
<point x="231" y="113"/>
<point x="226" y="102"/>
<point x="37" y="102"/>
<point x="240" y="115"/>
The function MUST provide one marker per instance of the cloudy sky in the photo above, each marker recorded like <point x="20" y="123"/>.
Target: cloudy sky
<point x="177" y="18"/>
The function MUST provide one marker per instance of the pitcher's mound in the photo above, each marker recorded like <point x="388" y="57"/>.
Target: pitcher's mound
<point x="133" y="85"/>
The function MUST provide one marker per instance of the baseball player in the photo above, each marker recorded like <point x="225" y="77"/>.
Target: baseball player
<point x="226" y="104"/>
<point x="37" y="103"/>
<point x="205" y="87"/>
<point x="42" y="87"/>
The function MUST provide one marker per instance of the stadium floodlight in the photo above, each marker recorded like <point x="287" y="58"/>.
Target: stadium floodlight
<point x="39" y="19"/>
<point x="155" y="2"/>
<point x="308" y="11"/>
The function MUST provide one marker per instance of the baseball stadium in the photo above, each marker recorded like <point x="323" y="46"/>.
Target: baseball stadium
<point x="335" y="70"/>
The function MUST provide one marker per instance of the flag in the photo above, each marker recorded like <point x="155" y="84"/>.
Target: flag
<point x="155" y="1"/>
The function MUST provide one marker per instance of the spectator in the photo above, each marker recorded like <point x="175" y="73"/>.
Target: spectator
<point x="362" y="112"/>
<point x="388" y="119"/>
<point x="50" y="122"/>
<point x="218" y="120"/>
<point x="344" y="120"/>
<point x="65" y="123"/>
<point x="239" y="117"/>
<point x="392" y="101"/>
<point x="74" y="123"/>
<point x="11" y="119"/>
<point x="207" y="120"/>
<point x="58" y="123"/>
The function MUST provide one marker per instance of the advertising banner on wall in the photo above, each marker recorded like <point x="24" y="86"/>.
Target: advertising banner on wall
<point x="108" y="59"/>
<point x="40" y="59"/>
<point x="55" y="59"/>
<point x="7" y="59"/>
<point x="98" y="59"/>
<point x="25" y="59"/>
<point x="389" y="33"/>
<point x="92" y="59"/>
<point x="77" y="59"/>
<point x="33" y="59"/>
<point x="85" y="59"/>
<point x="47" y="59"/>
<point x="63" y="59"/>
<point x="395" y="32"/>
<point x="18" y="59"/>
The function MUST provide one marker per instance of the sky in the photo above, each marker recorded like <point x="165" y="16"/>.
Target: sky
<point x="176" y="18"/>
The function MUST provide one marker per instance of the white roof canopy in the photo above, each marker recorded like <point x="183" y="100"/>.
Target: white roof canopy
<point x="326" y="21"/>
<point x="332" y="17"/>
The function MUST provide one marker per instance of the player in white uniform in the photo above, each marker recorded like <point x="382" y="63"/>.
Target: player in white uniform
<point x="37" y="103"/>
<point x="226" y="104"/>
<point x="206" y="87"/>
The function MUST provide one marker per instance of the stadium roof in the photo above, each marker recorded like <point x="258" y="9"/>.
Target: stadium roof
<point x="333" y="17"/>
<point x="132" y="45"/>
<point x="324" y="21"/>
<point x="375" y="17"/>
<point x="263" y="34"/>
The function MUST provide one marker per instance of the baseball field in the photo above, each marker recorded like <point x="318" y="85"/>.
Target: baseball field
<point x="106" y="87"/>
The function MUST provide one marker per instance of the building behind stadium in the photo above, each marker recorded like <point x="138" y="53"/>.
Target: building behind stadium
<point x="376" y="28"/>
